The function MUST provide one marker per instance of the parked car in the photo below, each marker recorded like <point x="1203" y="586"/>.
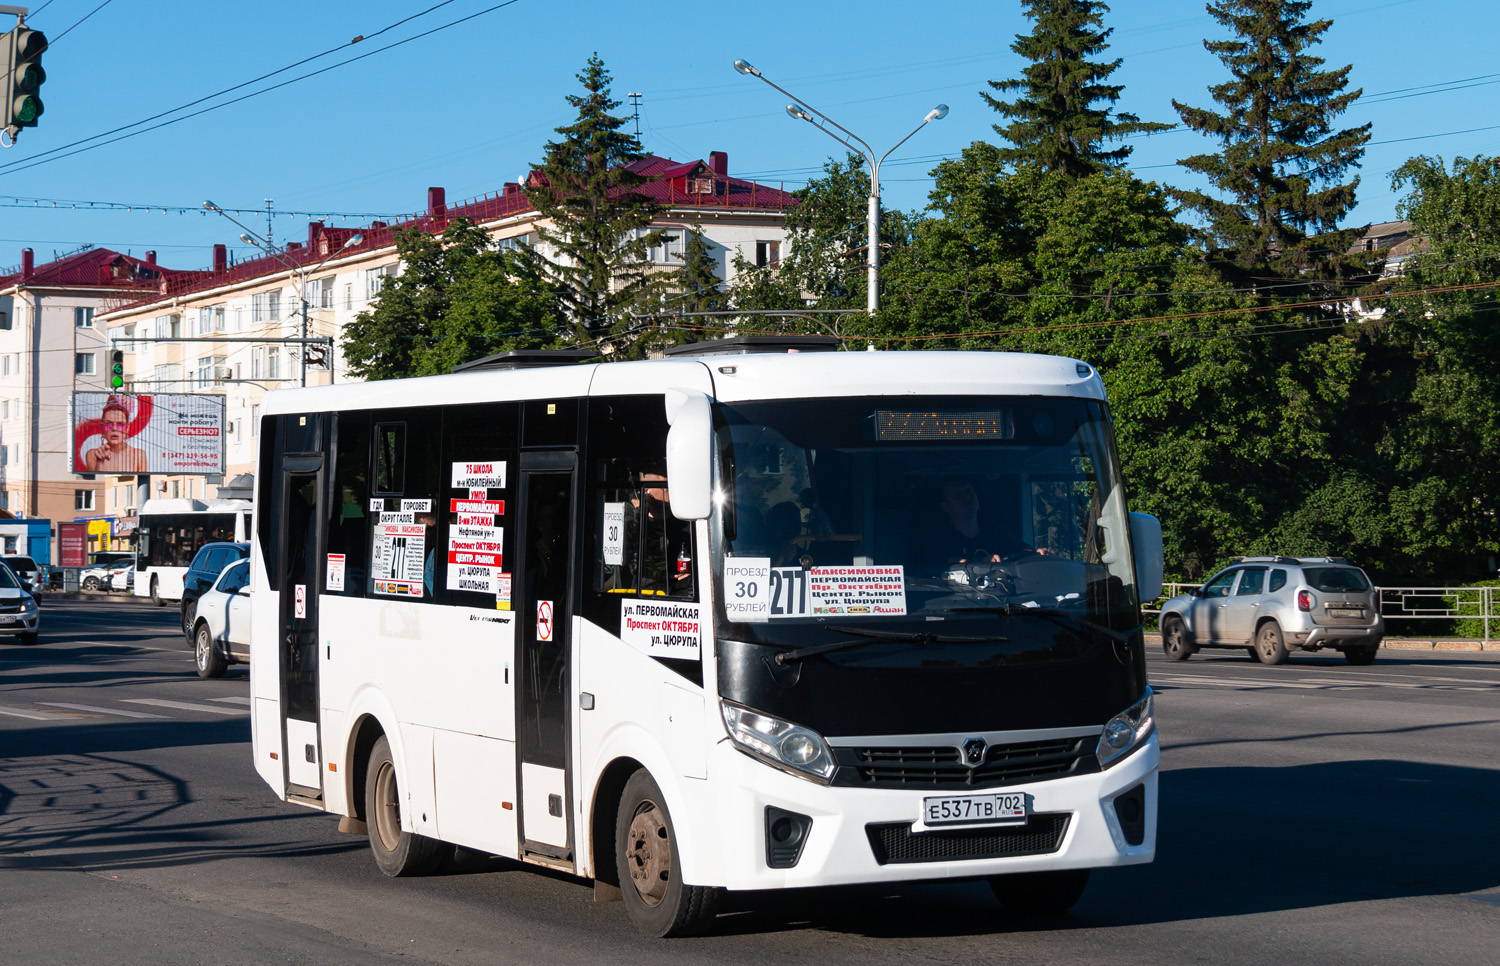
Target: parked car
<point x="27" y="571"/>
<point x="96" y="575"/>
<point x="208" y="563"/>
<point x="1273" y="605"/>
<point x="19" y="616"/>
<point x="121" y="576"/>
<point x="221" y="622"/>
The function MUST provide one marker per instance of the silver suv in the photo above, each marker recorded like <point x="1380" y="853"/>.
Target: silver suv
<point x="1269" y="605"/>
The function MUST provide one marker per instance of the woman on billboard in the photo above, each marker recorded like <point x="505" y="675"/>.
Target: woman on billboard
<point x="115" y="454"/>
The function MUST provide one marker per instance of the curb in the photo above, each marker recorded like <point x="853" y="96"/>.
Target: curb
<point x="1398" y="644"/>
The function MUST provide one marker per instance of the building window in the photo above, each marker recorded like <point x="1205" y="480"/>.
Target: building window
<point x="767" y="253"/>
<point x="4" y="409"/>
<point x="273" y="363"/>
<point x="7" y="363"/>
<point x="83" y="363"/>
<point x="4" y="320"/>
<point x="323" y="297"/>
<point x="254" y="421"/>
<point x="375" y="280"/>
<point x="265" y="307"/>
<point x="348" y="296"/>
<point x="83" y="499"/>
<point x="83" y="318"/>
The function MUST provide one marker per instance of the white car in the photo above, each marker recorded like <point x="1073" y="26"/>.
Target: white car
<point x="19" y="616"/>
<point x="221" y="624"/>
<point x="121" y="576"/>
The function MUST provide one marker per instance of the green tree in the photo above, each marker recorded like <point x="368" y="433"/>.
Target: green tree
<point x="1277" y="176"/>
<point x="457" y="298"/>
<point x="1063" y="115"/>
<point x="595" y="251"/>
<point x="1444" y="445"/>
<point x="823" y="258"/>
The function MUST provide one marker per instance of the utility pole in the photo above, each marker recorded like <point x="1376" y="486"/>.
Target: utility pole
<point x="635" y="103"/>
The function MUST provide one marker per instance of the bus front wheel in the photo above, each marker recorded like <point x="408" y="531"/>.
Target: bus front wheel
<point x="1037" y="894"/>
<point x="646" y="853"/>
<point x="397" y="853"/>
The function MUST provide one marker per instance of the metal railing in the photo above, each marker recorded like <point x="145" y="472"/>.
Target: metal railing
<point x="1406" y="604"/>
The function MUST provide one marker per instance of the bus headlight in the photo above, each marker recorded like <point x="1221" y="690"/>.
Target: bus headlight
<point x="790" y="747"/>
<point x="1126" y="731"/>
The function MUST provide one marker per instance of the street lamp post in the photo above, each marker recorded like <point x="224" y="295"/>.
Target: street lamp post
<point x="251" y="238"/>
<point x="800" y="110"/>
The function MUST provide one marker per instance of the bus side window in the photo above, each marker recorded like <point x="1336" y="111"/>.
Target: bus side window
<point x="653" y="553"/>
<point x="390" y="457"/>
<point x="406" y="469"/>
<point x="479" y="433"/>
<point x="348" y="518"/>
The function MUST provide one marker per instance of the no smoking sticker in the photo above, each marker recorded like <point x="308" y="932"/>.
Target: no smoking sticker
<point x="543" y="621"/>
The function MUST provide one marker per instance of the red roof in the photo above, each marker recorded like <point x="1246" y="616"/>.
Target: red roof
<point x="91" y="268"/>
<point x="667" y="187"/>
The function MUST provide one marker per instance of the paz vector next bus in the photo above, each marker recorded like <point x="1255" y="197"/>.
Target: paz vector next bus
<point x="729" y="620"/>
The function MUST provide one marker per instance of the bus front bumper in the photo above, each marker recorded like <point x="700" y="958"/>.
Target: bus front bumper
<point x="875" y="834"/>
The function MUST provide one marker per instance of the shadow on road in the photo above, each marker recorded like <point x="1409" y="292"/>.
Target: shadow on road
<point x="1231" y="841"/>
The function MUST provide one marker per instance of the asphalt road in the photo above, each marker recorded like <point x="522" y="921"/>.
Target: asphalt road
<point x="1311" y="813"/>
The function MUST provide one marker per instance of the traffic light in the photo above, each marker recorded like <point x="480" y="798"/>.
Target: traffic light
<point x="23" y="79"/>
<point x="117" y="369"/>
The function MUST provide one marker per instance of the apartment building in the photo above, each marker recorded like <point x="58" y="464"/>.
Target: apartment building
<point x="340" y="271"/>
<point x="52" y="343"/>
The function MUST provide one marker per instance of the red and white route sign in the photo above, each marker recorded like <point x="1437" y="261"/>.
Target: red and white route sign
<point x="543" y="621"/>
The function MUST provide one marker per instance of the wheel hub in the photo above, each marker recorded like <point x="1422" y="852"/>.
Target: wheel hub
<point x="648" y="854"/>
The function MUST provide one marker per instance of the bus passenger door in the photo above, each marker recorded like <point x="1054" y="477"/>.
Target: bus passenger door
<point x="544" y="614"/>
<point x="300" y="511"/>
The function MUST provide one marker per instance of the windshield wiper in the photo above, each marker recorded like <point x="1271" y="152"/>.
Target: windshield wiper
<point x="1054" y="615"/>
<point x="865" y="636"/>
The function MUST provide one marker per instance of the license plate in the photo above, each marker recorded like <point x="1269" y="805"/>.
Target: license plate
<point x="1345" y="612"/>
<point x="994" y="808"/>
<point x="8" y="619"/>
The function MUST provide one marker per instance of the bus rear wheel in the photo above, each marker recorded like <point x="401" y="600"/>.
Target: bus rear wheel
<point x="397" y="852"/>
<point x="650" y="870"/>
<point x="156" y="597"/>
<point x="1037" y="894"/>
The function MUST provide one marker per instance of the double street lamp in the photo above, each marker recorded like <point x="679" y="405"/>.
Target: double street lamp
<point x="800" y="110"/>
<point x="251" y="238"/>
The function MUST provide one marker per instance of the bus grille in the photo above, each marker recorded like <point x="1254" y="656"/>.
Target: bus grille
<point x="895" y="842"/>
<point x="944" y="767"/>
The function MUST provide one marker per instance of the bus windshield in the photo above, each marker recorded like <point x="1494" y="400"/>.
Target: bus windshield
<point x="891" y="512"/>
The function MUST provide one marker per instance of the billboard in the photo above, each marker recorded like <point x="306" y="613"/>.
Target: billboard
<point x="72" y="544"/>
<point x="169" y="433"/>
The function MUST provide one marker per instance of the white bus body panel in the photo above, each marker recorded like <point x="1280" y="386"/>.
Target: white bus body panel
<point x="838" y="850"/>
<point x="372" y="654"/>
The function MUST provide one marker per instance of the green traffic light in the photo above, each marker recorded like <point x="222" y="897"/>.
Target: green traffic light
<point x="27" y="109"/>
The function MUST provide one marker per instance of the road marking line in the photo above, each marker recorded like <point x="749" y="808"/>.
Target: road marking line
<point x="1195" y="679"/>
<point x="89" y="707"/>
<point x="184" y="705"/>
<point x="34" y="715"/>
<point x="1353" y="682"/>
<point x="237" y="699"/>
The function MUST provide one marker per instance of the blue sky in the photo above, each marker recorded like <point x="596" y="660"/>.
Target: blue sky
<point x="470" y="106"/>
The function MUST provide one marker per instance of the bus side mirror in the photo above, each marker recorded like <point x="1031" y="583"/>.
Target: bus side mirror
<point x="1150" y="559"/>
<point x="689" y="453"/>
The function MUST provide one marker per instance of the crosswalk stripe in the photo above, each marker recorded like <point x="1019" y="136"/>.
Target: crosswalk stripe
<point x="184" y="705"/>
<point x="89" y="707"/>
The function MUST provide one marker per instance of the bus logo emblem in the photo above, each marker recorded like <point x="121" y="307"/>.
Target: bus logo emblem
<point x="974" y="749"/>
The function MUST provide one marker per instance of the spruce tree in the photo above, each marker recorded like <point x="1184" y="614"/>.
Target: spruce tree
<point x="595" y="253"/>
<point x="1062" y="118"/>
<point x="1278" y="174"/>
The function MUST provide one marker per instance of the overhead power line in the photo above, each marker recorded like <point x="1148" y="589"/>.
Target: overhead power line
<point x="17" y="166"/>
